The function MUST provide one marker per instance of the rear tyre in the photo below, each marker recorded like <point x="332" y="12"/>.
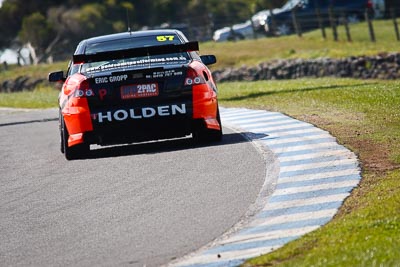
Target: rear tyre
<point x="60" y="118"/>
<point x="204" y="135"/>
<point x="74" y="152"/>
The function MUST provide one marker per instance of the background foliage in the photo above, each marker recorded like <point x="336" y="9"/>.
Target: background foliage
<point x="49" y="28"/>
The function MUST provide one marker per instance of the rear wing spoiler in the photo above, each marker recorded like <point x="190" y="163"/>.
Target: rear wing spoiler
<point x="136" y="52"/>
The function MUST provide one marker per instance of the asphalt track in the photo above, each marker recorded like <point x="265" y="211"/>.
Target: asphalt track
<point x="154" y="204"/>
<point x="132" y="205"/>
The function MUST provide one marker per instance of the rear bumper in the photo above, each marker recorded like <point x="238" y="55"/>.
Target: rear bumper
<point x="129" y="125"/>
<point x="146" y="130"/>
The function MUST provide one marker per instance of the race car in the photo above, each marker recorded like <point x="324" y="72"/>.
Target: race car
<point x="134" y="87"/>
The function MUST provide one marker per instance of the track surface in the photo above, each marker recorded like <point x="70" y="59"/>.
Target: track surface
<point x="130" y="205"/>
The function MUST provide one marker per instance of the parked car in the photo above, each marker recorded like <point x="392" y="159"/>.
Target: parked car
<point x="280" y="22"/>
<point x="379" y="8"/>
<point x="236" y="32"/>
<point x="260" y="18"/>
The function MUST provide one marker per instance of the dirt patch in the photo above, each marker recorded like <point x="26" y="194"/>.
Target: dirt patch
<point x="374" y="158"/>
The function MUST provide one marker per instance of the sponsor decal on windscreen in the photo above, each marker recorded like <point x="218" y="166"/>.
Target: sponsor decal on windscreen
<point x="144" y="61"/>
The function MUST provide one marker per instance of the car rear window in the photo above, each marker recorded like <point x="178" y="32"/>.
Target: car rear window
<point x="136" y="42"/>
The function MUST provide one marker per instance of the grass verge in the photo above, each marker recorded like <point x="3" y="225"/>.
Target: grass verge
<point x="42" y="97"/>
<point x="364" y="116"/>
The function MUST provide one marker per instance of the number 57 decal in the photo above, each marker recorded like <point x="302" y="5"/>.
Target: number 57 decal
<point x="163" y="38"/>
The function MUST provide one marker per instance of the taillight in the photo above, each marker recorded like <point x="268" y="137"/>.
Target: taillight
<point x="193" y="78"/>
<point x="83" y="90"/>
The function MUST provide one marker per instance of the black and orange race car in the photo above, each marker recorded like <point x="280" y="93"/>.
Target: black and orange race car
<point x="134" y="87"/>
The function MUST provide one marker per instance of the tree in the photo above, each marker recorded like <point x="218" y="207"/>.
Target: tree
<point x="10" y="23"/>
<point x="52" y="28"/>
<point x="267" y="4"/>
<point x="36" y="34"/>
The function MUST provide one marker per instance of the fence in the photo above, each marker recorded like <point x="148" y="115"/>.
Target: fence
<point x="295" y="22"/>
<point x="344" y="19"/>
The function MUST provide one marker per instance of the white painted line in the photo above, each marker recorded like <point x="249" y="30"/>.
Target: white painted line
<point x="287" y="218"/>
<point x="331" y="163"/>
<point x="304" y="131"/>
<point x="265" y="129"/>
<point x="325" y="145"/>
<point x="304" y="202"/>
<point x="254" y="118"/>
<point x="315" y="176"/>
<point x="303" y="189"/>
<point x="284" y="124"/>
<point x="240" y="113"/>
<point x="270" y="235"/>
<point x="283" y="140"/>
<point x="339" y="153"/>
<point x="227" y="256"/>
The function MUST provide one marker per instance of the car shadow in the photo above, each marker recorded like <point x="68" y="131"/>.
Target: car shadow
<point x="163" y="146"/>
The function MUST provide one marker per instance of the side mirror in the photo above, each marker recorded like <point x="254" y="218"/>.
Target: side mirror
<point x="57" y="76"/>
<point x="208" y="59"/>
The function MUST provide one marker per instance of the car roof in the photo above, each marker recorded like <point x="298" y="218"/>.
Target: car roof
<point x="126" y="35"/>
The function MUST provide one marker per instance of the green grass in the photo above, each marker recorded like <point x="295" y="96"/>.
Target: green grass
<point x="355" y="108"/>
<point x="42" y="97"/>
<point x="365" y="117"/>
<point x="39" y="71"/>
<point x="360" y="107"/>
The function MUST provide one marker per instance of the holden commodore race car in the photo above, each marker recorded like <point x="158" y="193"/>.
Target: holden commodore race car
<point x="134" y="87"/>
